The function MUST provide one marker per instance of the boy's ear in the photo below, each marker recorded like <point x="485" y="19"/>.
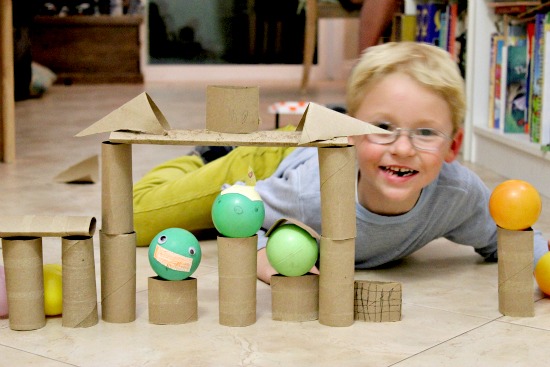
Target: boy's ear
<point x="456" y="144"/>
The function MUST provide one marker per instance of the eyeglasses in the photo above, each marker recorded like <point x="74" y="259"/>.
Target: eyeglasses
<point x="423" y="138"/>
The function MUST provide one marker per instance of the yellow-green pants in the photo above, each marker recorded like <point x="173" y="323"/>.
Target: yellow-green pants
<point x="180" y="192"/>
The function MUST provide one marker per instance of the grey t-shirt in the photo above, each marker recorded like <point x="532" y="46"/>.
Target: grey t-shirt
<point x="454" y="206"/>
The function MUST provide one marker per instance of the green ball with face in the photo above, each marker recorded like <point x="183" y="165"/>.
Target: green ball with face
<point x="174" y="254"/>
<point x="238" y="212"/>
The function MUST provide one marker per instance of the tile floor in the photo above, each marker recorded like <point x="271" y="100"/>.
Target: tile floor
<point x="450" y="302"/>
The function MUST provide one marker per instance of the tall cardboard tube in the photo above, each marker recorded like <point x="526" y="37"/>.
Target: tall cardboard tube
<point x="118" y="277"/>
<point x="337" y="253"/>
<point x="237" y="275"/>
<point x="79" y="286"/>
<point x="515" y="273"/>
<point x="336" y="282"/>
<point x="337" y="181"/>
<point x="46" y="226"/>
<point x="23" y="266"/>
<point x="117" y="208"/>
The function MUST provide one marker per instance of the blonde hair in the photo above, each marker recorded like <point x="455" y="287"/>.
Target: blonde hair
<point x="429" y="65"/>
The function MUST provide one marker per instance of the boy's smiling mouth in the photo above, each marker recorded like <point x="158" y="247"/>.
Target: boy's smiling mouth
<point x="398" y="171"/>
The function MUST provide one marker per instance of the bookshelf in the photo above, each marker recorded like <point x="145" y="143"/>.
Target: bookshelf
<point x="509" y="155"/>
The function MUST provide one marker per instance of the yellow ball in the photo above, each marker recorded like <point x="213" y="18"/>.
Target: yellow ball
<point x="515" y="205"/>
<point x="542" y="273"/>
<point x="53" y="290"/>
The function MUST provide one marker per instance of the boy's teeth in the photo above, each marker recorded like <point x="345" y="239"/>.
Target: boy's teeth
<point x="400" y="171"/>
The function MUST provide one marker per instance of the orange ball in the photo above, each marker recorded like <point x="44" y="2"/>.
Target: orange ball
<point x="542" y="273"/>
<point x="515" y="205"/>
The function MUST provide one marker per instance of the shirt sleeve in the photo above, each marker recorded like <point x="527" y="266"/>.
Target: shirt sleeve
<point x="292" y="191"/>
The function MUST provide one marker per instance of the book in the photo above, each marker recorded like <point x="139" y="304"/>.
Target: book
<point x="403" y="28"/>
<point x="545" y="104"/>
<point x="516" y="79"/>
<point x="428" y="21"/>
<point x="452" y="22"/>
<point x="536" y="79"/>
<point x="497" y="41"/>
<point x="500" y="85"/>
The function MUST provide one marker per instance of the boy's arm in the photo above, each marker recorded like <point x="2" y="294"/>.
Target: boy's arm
<point x="265" y="270"/>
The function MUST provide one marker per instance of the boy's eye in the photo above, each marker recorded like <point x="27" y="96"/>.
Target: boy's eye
<point x="384" y="125"/>
<point x="427" y="132"/>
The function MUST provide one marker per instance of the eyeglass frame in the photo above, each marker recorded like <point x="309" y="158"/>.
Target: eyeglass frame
<point x="396" y="133"/>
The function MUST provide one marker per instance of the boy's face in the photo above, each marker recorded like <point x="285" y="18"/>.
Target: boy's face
<point x="393" y="175"/>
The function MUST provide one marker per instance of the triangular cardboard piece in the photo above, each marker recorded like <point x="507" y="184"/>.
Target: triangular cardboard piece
<point x="86" y="171"/>
<point x="302" y="225"/>
<point x="140" y="114"/>
<point x="322" y="123"/>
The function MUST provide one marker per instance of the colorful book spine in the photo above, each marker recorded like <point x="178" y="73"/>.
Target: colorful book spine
<point x="545" y="106"/>
<point x="515" y="114"/>
<point x="536" y="79"/>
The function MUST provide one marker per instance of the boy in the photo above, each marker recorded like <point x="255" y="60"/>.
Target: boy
<point x="410" y="190"/>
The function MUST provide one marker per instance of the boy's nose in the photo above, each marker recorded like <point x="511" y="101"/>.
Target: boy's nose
<point x="403" y="145"/>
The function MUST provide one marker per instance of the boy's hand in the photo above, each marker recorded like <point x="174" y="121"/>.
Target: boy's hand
<point x="265" y="270"/>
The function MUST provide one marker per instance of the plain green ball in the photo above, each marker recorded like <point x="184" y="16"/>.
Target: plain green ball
<point x="291" y="250"/>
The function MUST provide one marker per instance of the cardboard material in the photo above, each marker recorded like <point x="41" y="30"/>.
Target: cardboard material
<point x="23" y="266"/>
<point x="295" y="299"/>
<point x="118" y="277"/>
<point x="117" y="208"/>
<point x="140" y="114"/>
<point x="304" y="226"/>
<point x="271" y="138"/>
<point x="232" y="109"/>
<point x="322" y="123"/>
<point x="237" y="269"/>
<point x="79" y="286"/>
<point x="337" y="178"/>
<point x="172" y="302"/>
<point x="377" y="301"/>
<point x="46" y="226"/>
<point x="515" y="273"/>
<point x="86" y="171"/>
<point x="336" y="283"/>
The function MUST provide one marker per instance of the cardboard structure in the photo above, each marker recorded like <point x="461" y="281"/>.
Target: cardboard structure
<point x="377" y="301"/>
<point x="23" y="265"/>
<point x="172" y="302"/>
<point x="515" y="272"/>
<point x="295" y="299"/>
<point x="231" y="109"/>
<point x="235" y="107"/>
<point x="237" y="269"/>
<point x="86" y="171"/>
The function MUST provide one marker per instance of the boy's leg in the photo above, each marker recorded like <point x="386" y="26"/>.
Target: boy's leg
<point x="180" y="192"/>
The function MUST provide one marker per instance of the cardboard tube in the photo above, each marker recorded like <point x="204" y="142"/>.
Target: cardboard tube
<point x="46" y="226"/>
<point x="336" y="283"/>
<point x="79" y="286"/>
<point x="377" y="301"/>
<point x="232" y="109"/>
<point x="515" y="273"/>
<point x="116" y="191"/>
<point x="172" y="301"/>
<point x="295" y="298"/>
<point x="237" y="275"/>
<point x="118" y="277"/>
<point x="337" y="175"/>
<point x="23" y="266"/>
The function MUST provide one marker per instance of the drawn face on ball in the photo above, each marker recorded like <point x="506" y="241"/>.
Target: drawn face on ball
<point x="238" y="212"/>
<point x="174" y="254"/>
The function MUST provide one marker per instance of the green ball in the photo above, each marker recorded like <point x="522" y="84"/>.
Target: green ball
<point x="291" y="250"/>
<point x="238" y="214"/>
<point x="174" y="254"/>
